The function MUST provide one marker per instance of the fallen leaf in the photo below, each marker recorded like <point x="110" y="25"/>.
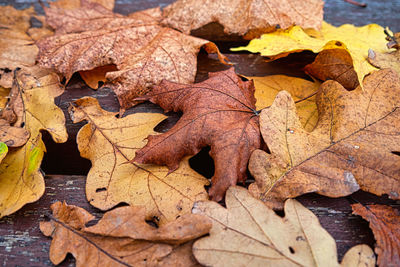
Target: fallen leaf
<point x="96" y="75"/>
<point x="121" y="237"/>
<point x="218" y="112"/>
<point x="384" y="222"/>
<point x="17" y="49"/>
<point x="249" y="18"/>
<point x="334" y="63"/>
<point x="350" y="148"/>
<point x="267" y="88"/>
<point x="143" y="51"/>
<point x="357" y="40"/>
<point x="389" y="59"/>
<point x="110" y="143"/>
<point x="12" y="136"/>
<point x="32" y="100"/>
<point x="3" y="151"/>
<point x="247" y="233"/>
<point x="74" y="4"/>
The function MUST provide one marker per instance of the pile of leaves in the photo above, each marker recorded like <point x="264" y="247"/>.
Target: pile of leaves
<point x="333" y="135"/>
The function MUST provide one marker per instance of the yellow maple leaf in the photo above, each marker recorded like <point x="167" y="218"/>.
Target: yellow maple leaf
<point x="357" y="41"/>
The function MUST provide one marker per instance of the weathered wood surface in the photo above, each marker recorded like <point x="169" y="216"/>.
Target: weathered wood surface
<point x="22" y="244"/>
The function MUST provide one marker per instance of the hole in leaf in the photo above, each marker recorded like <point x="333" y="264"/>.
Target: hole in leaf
<point x="291" y="250"/>
<point x="153" y="222"/>
<point x="338" y="43"/>
<point x="101" y="189"/>
<point x="22" y="124"/>
<point x="117" y="116"/>
<point x="203" y="163"/>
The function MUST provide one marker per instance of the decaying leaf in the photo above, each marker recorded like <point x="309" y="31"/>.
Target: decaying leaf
<point x="121" y="238"/>
<point x="350" y="148"/>
<point x="218" y="112"/>
<point x="17" y="49"/>
<point x="267" y="88"/>
<point x="334" y="63"/>
<point x="143" y="51"/>
<point x="31" y="100"/>
<point x="250" y="18"/>
<point x="384" y="222"/>
<point x="389" y="59"/>
<point x="247" y="233"/>
<point x="73" y="4"/>
<point x="3" y="151"/>
<point x="110" y="143"/>
<point x="356" y="40"/>
<point x="12" y="136"/>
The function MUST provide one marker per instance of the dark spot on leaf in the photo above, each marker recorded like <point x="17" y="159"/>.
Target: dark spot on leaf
<point x="101" y="189"/>
<point x="338" y="43"/>
<point x="291" y="250"/>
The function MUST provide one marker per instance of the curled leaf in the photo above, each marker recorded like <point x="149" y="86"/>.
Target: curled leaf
<point x="121" y="238"/>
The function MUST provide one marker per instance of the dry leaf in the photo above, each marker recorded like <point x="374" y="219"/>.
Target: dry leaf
<point x="247" y="233"/>
<point x="218" y="112"/>
<point x="389" y="59"/>
<point x="142" y="50"/>
<point x="334" y="63"/>
<point x="17" y="49"/>
<point x="121" y="238"/>
<point x="3" y="151"/>
<point x="357" y="41"/>
<point x="267" y="88"/>
<point x="31" y="100"/>
<point x="96" y="75"/>
<point x="384" y="222"/>
<point x="12" y="136"/>
<point x="350" y="148"/>
<point x="110" y="143"/>
<point x="250" y="18"/>
<point x="73" y="4"/>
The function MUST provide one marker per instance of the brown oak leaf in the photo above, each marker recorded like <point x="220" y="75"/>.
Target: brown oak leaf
<point x="143" y="51"/>
<point x="334" y="63"/>
<point x="121" y="238"/>
<point x="384" y="222"/>
<point x="218" y="112"/>
<point x="248" y="18"/>
<point x="351" y="147"/>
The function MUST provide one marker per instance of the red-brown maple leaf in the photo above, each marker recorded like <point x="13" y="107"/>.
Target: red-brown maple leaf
<point x="220" y="113"/>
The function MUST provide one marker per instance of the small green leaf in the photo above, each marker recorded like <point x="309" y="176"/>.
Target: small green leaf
<point x="3" y="150"/>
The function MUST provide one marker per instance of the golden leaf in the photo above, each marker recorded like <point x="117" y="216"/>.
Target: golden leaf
<point x="268" y="87"/>
<point x="110" y="143"/>
<point x="357" y="41"/>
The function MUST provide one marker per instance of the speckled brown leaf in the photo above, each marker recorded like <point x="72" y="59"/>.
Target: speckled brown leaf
<point x="73" y="4"/>
<point x="32" y="102"/>
<point x="17" y="48"/>
<point x="218" y="112"/>
<point x="384" y="222"/>
<point x="247" y="233"/>
<point x="351" y="147"/>
<point x="143" y="51"/>
<point x="334" y="63"/>
<point x="390" y="59"/>
<point x="110" y="143"/>
<point x="121" y="238"/>
<point x="251" y="18"/>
